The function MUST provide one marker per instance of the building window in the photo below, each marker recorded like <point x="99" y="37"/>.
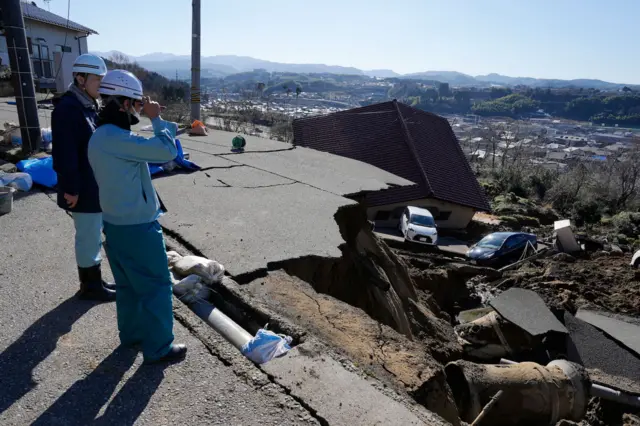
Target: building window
<point x="40" y="60"/>
<point x="60" y="48"/>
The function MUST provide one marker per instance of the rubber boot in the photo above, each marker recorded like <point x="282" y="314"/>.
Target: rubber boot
<point x="177" y="353"/>
<point x="106" y="284"/>
<point x="92" y="287"/>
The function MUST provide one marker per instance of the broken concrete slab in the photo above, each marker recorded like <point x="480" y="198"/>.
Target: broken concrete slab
<point x="528" y="311"/>
<point x="338" y="395"/>
<point x="339" y="175"/>
<point x="254" y="143"/>
<point x="247" y="229"/>
<point x="625" y="330"/>
<point x="7" y="167"/>
<point x="207" y="161"/>
<point x="332" y="173"/>
<point x="202" y="145"/>
<point x="590" y="347"/>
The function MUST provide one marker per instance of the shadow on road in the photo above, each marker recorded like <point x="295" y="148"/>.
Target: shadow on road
<point x="19" y="360"/>
<point x="133" y="398"/>
<point x="82" y="402"/>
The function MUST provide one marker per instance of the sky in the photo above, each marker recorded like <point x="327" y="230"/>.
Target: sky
<point x="563" y="39"/>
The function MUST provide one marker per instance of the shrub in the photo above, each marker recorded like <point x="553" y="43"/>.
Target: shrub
<point x="586" y="211"/>
<point x="510" y="221"/>
<point x="527" y="220"/>
<point x="626" y="223"/>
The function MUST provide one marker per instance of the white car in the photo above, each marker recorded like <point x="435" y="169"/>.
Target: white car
<point x="417" y="225"/>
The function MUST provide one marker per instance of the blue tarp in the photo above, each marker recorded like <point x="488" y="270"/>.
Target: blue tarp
<point x="40" y="170"/>
<point x="179" y="160"/>
<point x="42" y="173"/>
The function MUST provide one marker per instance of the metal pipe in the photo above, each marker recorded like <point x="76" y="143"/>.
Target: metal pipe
<point x="602" y="391"/>
<point x="195" y="61"/>
<point x="614" y="395"/>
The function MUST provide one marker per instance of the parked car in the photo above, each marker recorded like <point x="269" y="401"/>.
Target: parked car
<point x="417" y="225"/>
<point x="500" y="248"/>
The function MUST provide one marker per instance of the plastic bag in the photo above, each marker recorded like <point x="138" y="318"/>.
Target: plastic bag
<point x="41" y="171"/>
<point x="47" y="138"/>
<point x="191" y="289"/>
<point x="266" y="345"/>
<point x="210" y="270"/>
<point x="19" y="181"/>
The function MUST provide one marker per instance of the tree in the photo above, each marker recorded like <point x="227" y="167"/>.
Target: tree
<point x="443" y="90"/>
<point x="626" y="89"/>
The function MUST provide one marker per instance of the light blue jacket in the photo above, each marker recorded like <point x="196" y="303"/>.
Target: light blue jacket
<point x="119" y="160"/>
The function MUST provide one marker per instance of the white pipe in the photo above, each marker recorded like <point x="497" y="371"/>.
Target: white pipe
<point x="221" y="323"/>
<point x="603" y="391"/>
<point x="194" y="295"/>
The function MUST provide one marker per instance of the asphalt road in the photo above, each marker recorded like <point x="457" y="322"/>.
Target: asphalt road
<point x="59" y="358"/>
<point x="272" y="203"/>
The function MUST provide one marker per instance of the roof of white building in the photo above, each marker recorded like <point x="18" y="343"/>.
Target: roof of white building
<point x="31" y="11"/>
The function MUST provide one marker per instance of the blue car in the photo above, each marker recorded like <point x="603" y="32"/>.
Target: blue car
<point x="500" y="248"/>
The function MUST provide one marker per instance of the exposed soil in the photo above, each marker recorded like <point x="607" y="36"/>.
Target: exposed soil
<point x="383" y="352"/>
<point x="568" y="283"/>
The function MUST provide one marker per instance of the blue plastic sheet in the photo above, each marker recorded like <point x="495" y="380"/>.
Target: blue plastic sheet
<point x="40" y="170"/>
<point x="266" y="345"/>
<point x="180" y="161"/>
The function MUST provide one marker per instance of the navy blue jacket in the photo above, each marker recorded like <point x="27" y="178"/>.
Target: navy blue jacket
<point x="72" y="125"/>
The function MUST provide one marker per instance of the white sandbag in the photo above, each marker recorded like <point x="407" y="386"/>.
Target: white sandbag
<point x="209" y="270"/>
<point x="19" y="181"/>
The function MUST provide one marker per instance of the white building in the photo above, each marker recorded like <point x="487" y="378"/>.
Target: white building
<point x="54" y="43"/>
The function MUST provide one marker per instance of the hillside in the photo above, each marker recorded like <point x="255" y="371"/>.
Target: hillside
<point x="219" y="66"/>
<point x="155" y="85"/>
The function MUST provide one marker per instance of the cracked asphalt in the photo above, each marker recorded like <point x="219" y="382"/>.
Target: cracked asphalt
<point x="251" y="211"/>
<point x="60" y="360"/>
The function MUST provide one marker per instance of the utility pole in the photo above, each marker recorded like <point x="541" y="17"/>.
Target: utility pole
<point x="195" y="62"/>
<point x="21" y="75"/>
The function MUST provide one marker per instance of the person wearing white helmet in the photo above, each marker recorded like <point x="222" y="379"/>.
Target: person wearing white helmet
<point x="73" y="121"/>
<point x="131" y="208"/>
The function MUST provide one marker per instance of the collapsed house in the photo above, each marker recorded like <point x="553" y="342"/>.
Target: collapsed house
<point x="410" y="143"/>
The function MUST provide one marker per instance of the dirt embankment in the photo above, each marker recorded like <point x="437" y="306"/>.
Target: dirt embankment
<point x="366" y="305"/>
<point x="564" y="282"/>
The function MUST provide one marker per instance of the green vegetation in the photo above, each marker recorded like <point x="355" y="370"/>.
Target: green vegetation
<point x="154" y="84"/>
<point x="508" y="106"/>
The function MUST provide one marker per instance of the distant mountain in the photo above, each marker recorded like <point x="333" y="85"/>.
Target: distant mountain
<point x="218" y="66"/>
<point x="451" y="77"/>
<point x="381" y="73"/>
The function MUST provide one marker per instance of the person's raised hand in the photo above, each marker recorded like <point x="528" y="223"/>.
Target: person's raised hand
<point x="150" y="108"/>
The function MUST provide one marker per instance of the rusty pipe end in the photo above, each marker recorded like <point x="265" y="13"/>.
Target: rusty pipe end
<point x="463" y="394"/>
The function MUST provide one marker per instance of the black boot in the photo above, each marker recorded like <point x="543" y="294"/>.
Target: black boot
<point x="177" y="353"/>
<point x="91" y="285"/>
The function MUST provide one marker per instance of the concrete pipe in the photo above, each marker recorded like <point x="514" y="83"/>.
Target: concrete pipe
<point x="533" y="394"/>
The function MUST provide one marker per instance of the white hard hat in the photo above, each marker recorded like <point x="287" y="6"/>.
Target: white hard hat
<point x="90" y="64"/>
<point x="121" y="83"/>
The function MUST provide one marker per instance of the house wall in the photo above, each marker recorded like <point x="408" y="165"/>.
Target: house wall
<point x="53" y="36"/>
<point x="458" y="219"/>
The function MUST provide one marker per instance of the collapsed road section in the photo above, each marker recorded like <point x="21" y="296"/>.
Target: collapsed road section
<point x="302" y="257"/>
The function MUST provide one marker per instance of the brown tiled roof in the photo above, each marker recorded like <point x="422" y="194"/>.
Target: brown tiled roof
<point x="411" y="143"/>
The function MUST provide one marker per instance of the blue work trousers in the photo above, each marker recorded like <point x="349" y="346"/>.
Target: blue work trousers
<point x="138" y="260"/>
<point x="88" y="238"/>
